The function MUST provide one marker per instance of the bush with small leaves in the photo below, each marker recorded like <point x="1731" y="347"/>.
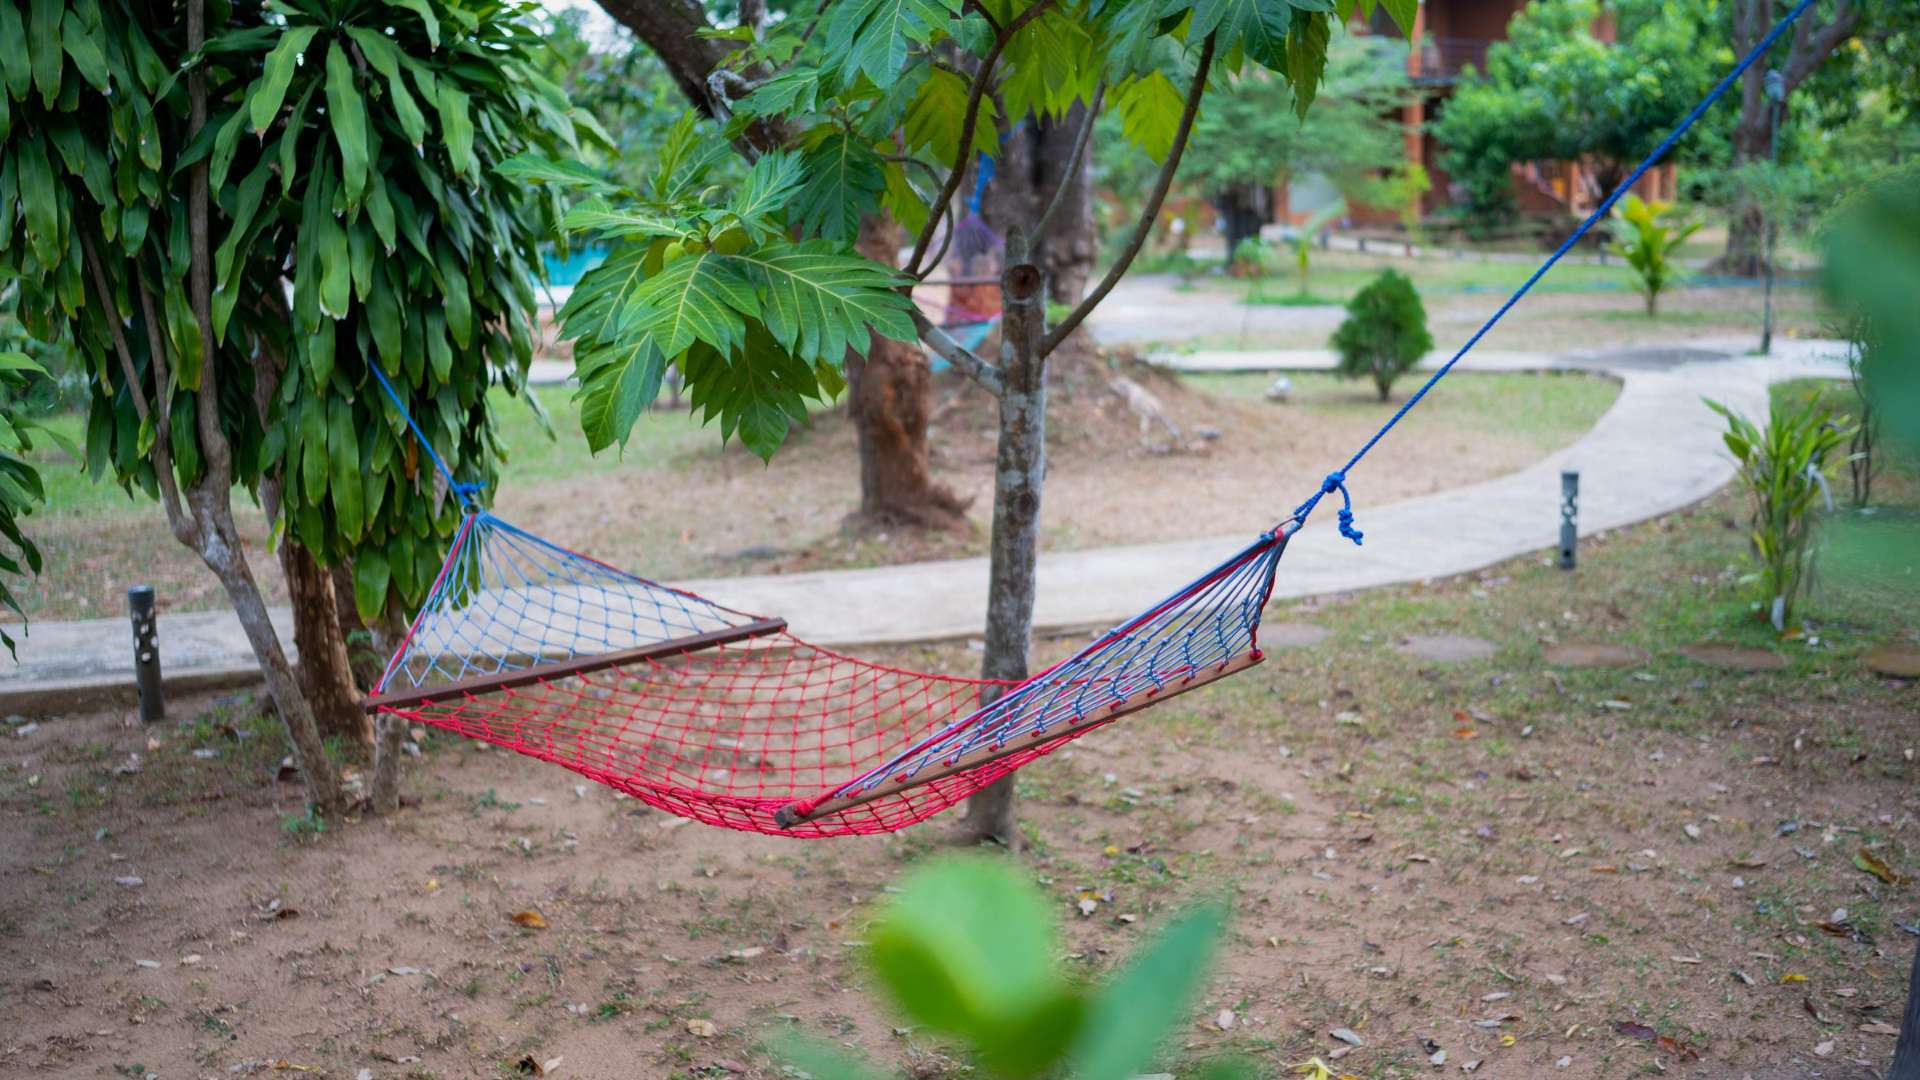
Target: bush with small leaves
<point x="1385" y="333"/>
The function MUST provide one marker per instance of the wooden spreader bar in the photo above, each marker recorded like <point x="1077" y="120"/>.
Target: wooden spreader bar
<point x="480" y="684"/>
<point x="788" y="816"/>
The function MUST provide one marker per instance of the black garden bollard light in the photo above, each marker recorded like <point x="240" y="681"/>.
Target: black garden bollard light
<point x="1569" y="516"/>
<point x="146" y="653"/>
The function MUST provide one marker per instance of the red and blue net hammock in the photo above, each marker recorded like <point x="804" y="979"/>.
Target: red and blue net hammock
<point x="727" y="718"/>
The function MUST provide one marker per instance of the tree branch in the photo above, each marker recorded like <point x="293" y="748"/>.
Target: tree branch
<point x="968" y="122"/>
<point x="981" y="10"/>
<point x="1148" y="214"/>
<point x="214" y="450"/>
<point x="1810" y="50"/>
<point x="1080" y="142"/>
<point x="178" y="522"/>
<point x="962" y="358"/>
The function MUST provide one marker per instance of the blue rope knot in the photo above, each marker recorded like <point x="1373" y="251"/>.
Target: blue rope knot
<point x="1337" y="481"/>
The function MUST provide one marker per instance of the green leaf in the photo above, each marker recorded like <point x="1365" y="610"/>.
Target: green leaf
<point x="1403" y="13"/>
<point x="313" y="447"/>
<point x="701" y="297"/>
<point x="336" y="268"/>
<point x="843" y="181"/>
<point x="533" y="169"/>
<point x="263" y="103"/>
<point x="225" y="142"/>
<point x="938" y="110"/>
<point x="1131" y="1016"/>
<point x="380" y="215"/>
<point x="348" y="116"/>
<point x="15" y="59"/>
<point x="456" y="127"/>
<point x="83" y="45"/>
<point x="873" y="37"/>
<point x="343" y="446"/>
<point x="594" y="215"/>
<point x="38" y="199"/>
<point x="44" y="51"/>
<point x="453" y="275"/>
<point x="370" y="578"/>
<point x="1150" y="107"/>
<point x="1307" y="58"/>
<point x="384" y="55"/>
<point x="758" y="202"/>
<point x="967" y="948"/>
<point x="903" y="203"/>
<point x="424" y="9"/>
<point x="818" y="302"/>
<point x="619" y="392"/>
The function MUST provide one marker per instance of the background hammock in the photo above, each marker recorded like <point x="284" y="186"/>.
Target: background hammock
<point x="727" y="718"/>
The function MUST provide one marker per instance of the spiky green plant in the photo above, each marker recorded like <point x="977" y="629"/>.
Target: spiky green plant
<point x="1650" y="245"/>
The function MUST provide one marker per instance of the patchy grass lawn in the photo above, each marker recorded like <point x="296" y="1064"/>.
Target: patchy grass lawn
<point x="676" y="504"/>
<point x="1544" y="870"/>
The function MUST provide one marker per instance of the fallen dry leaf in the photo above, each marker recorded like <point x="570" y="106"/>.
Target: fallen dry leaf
<point x="1873" y="864"/>
<point x="1683" y="1051"/>
<point x="1635" y="1031"/>
<point x="530" y="918"/>
<point x="1880" y="1027"/>
<point x="703" y="1029"/>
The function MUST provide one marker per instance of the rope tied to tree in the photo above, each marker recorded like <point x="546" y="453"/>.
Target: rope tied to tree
<point x="1336" y="481"/>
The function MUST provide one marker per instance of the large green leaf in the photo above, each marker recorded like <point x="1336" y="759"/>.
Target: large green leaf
<point x="385" y="57"/>
<point x="263" y="102"/>
<point x="347" y="114"/>
<point x="534" y="169"/>
<point x="759" y="202"/>
<point x="1134" y="1014"/>
<point x="1307" y="57"/>
<point x="1150" y="107"/>
<point x="938" y="110"/>
<point x="44" y="52"/>
<point x="456" y="127"/>
<point x="843" y="181"/>
<point x="82" y="44"/>
<point x="818" y="302"/>
<point x="15" y="59"/>
<point x="370" y="579"/>
<point x="347" y="489"/>
<point x="38" y="199"/>
<point x="873" y="37"/>
<point x="701" y="297"/>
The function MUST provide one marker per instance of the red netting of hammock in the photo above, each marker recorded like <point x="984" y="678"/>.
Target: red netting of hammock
<point x="727" y="719"/>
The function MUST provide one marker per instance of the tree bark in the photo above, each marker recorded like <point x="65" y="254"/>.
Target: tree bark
<point x="1242" y="214"/>
<point x="1031" y="167"/>
<point x="1020" y="469"/>
<point x="325" y="669"/>
<point x="1906" y="1053"/>
<point x="889" y="398"/>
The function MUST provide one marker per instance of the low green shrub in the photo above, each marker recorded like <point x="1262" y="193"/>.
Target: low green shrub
<point x="1783" y="470"/>
<point x="1385" y="333"/>
<point x="1649" y="246"/>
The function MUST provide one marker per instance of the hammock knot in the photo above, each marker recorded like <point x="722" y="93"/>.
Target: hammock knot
<point x="1335" y="481"/>
<point x="1346" y="525"/>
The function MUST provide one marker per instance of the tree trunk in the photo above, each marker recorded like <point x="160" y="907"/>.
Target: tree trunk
<point x="1241" y="215"/>
<point x="1029" y="170"/>
<point x="1020" y="468"/>
<point x="325" y="670"/>
<point x="220" y="549"/>
<point x="1906" y="1053"/>
<point x="889" y="397"/>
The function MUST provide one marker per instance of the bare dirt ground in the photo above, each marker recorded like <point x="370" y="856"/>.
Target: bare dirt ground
<point x="1549" y="872"/>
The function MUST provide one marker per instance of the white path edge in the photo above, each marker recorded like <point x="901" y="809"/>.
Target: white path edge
<point x="1656" y="450"/>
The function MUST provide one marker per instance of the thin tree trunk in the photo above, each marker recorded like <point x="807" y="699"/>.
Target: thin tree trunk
<point x="1906" y="1053"/>
<point x="1031" y="166"/>
<point x="889" y="398"/>
<point x="220" y="549"/>
<point x="1020" y="469"/>
<point x="326" y="671"/>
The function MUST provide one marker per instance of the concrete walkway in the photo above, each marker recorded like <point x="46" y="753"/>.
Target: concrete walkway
<point x="1656" y="450"/>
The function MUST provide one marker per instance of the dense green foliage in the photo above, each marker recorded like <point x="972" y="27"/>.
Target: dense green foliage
<point x="350" y="151"/>
<point x="748" y="285"/>
<point x="20" y="490"/>
<point x="1251" y="133"/>
<point x="1783" y="470"/>
<point x="1385" y="332"/>
<point x="1873" y="273"/>
<point x="1650" y="245"/>
<point x="967" y="950"/>
<point x="1554" y="92"/>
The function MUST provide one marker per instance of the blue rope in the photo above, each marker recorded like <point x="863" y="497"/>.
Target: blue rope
<point x="468" y="493"/>
<point x="1337" y="481"/>
<point x="982" y="176"/>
